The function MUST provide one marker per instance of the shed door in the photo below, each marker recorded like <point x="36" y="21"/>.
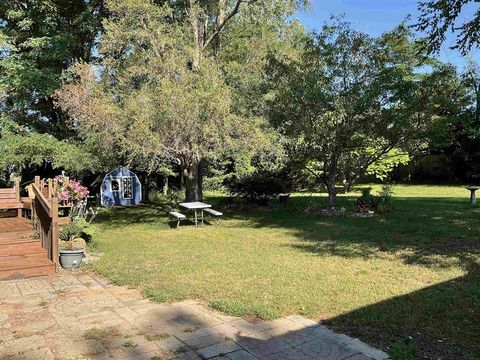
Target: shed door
<point x="127" y="187"/>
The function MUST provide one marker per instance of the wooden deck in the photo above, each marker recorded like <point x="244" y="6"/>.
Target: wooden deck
<point x="12" y="224"/>
<point x="21" y="254"/>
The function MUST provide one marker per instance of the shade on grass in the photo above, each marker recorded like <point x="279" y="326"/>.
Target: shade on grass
<point x="413" y="272"/>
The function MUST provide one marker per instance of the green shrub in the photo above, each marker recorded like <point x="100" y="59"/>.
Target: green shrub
<point x="72" y="230"/>
<point x="257" y="188"/>
<point x="367" y="202"/>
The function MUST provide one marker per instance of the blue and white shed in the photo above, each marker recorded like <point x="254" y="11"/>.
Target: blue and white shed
<point x="121" y="187"/>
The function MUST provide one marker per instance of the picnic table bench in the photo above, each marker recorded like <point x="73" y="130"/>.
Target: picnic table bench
<point x="214" y="213"/>
<point x="177" y="216"/>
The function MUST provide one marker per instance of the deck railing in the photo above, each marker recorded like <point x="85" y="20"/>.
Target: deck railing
<point x="45" y="215"/>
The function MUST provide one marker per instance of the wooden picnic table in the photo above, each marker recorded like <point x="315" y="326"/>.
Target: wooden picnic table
<point x="195" y="206"/>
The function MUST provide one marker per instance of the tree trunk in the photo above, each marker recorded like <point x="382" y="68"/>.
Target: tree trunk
<point x="165" y="185"/>
<point x="198" y="34"/>
<point x="332" y="193"/>
<point x="201" y="167"/>
<point x="193" y="182"/>
<point x="222" y="6"/>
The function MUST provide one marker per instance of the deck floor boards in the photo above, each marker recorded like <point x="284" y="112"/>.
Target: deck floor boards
<point x="21" y="255"/>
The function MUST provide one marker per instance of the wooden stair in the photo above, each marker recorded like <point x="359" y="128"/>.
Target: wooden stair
<point x="21" y="255"/>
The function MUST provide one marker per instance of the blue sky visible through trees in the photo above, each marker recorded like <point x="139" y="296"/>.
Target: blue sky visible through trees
<point x="376" y="16"/>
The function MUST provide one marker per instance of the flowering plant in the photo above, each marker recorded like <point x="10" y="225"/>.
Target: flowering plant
<point x="71" y="190"/>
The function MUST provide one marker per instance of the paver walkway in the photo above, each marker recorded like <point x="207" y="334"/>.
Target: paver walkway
<point x="82" y="316"/>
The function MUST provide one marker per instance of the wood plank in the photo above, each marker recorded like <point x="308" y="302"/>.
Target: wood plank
<point x="42" y="200"/>
<point x="19" y="241"/>
<point x="22" y="248"/>
<point x="6" y="191"/>
<point x="22" y="255"/>
<point x="20" y="262"/>
<point x="11" y="206"/>
<point x="14" y="224"/>
<point x="24" y="260"/>
<point x="43" y="269"/>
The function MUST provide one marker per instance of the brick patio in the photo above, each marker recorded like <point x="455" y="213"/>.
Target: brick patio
<point x="82" y="316"/>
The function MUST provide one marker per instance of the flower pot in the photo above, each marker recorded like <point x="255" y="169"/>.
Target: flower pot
<point x="71" y="259"/>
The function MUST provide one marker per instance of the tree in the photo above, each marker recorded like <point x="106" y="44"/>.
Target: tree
<point x="39" y="40"/>
<point x="458" y="135"/>
<point x="22" y="149"/>
<point x="152" y="98"/>
<point x="352" y="101"/>
<point x="211" y="21"/>
<point x="438" y="17"/>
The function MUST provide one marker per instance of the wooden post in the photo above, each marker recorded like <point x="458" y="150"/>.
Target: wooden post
<point x="17" y="196"/>
<point x="50" y="188"/>
<point x="37" y="184"/>
<point x="54" y="232"/>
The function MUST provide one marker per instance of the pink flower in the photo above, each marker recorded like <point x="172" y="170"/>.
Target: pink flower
<point x="70" y="191"/>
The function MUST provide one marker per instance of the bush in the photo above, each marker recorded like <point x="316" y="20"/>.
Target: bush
<point x="257" y="188"/>
<point x="72" y="230"/>
<point x="367" y="202"/>
<point x="385" y="198"/>
<point x="382" y="203"/>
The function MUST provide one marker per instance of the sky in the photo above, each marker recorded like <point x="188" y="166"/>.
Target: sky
<point x="377" y="16"/>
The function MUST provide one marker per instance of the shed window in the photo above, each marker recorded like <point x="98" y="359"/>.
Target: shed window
<point x="115" y="184"/>
<point x="127" y="183"/>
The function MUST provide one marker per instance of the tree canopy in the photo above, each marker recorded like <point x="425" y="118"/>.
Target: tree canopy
<point x="438" y="18"/>
<point x="153" y="99"/>
<point x="353" y="101"/>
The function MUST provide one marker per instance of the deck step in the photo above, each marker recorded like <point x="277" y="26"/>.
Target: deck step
<point x="21" y="254"/>
<point x="23" y="240"/>
<point x="19" y="261"/>
<point x="22" y="248"/>
<point x="16" y="234"/>
<point x="23" y="269"/>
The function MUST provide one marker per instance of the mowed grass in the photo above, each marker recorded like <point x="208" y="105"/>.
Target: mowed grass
<point x="407" y="281"/>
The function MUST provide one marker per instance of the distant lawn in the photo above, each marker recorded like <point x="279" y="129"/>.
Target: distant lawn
<point x="408" y="281"/>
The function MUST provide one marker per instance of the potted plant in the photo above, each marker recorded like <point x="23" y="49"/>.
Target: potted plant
<point x="73" y="236"/>
<point x="72" y="245"/>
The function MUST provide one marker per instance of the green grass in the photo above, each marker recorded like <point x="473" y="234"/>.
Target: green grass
<point x="410" y="274"/>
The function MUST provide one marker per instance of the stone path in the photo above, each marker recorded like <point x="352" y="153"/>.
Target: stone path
<point x="82" y="316"/>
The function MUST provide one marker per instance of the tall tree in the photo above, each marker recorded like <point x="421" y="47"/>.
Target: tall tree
<point x="38" y="40"/>
<point x="439" y="17"/>
<point x="353" y="100"/>
<point x="152" y="97"/>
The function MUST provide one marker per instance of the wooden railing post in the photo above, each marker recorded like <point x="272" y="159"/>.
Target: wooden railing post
<point x="17" y="195"/>
<point x="55" y="232"/>
<point x="50" y="188"/>
<point x="46" y="219"/>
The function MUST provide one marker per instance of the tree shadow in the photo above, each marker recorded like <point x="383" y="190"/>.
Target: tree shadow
<point x="426" y="231"/>
<point x="442" y="320"/>
<point x="188" y="330"/>
<point x="148" y="213"/>
<point x="437" y="322"/>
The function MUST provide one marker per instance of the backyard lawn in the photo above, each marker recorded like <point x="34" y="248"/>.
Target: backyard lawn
<point x="407" y="281"/>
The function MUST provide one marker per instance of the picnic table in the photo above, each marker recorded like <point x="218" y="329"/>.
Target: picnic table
<point x="195" y="206"/>
<point x="472" y="189"/>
